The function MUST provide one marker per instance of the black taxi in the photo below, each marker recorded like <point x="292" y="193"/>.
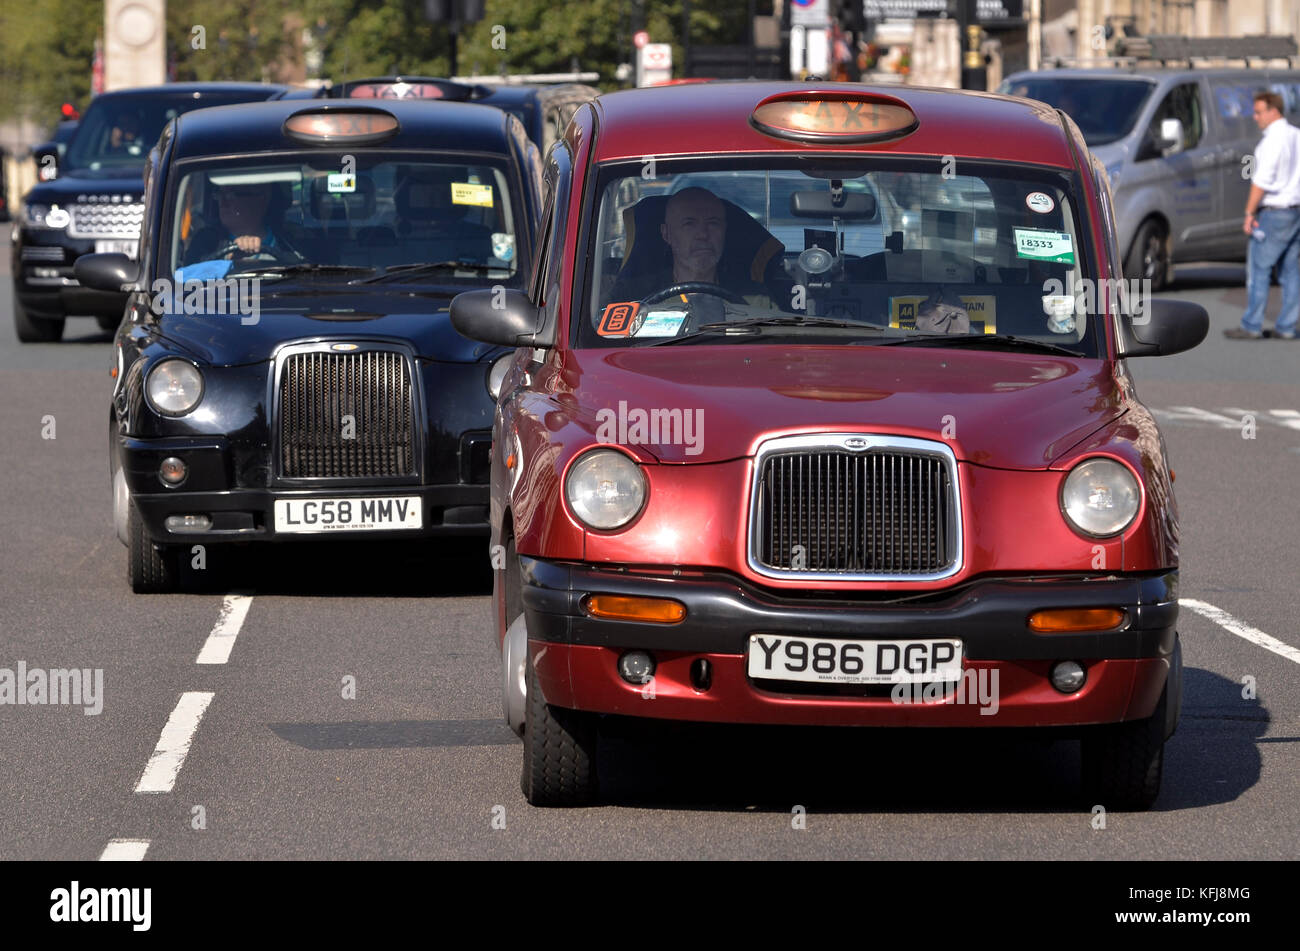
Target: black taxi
<point x="286" y="368"/>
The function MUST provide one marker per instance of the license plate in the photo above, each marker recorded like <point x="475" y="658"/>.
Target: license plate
<point x="348" y="515"/>
<point x="823" y="660"/>
<point x="117" y="247"/>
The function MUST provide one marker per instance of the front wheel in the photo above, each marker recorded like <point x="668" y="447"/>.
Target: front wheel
<point x="559" y="752"/>
<point x="1122" y="762"/>
<point x="1148" y="258"/>
<point x="151" y="569"/>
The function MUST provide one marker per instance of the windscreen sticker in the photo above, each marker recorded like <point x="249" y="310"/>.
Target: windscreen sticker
<point x="931" y="315"/>
<point x="339" y="182"/>
<point x="503" y="246"/>
<point x="1040" y="202"/>
<point x="468" y="193"/>
<point x="661" y="323"/>
<point x="1052" y="246"/>
<point x="618" y="320"/>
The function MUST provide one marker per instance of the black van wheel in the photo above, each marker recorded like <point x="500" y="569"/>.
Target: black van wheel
<point x="1148" y="258"/>
<point x="1122" y="762"/>
<point x="151" y="569"/>
<point x="108" y="324"/>
<point x="33" y="329"/>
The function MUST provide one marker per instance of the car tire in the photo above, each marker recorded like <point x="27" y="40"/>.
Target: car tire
<point x="1148" y="257"/>
<point x="34" y="329"/>
<point x="559" y="752"/>
<point x="151" y="569"/>
<point x="1122" y="762"/>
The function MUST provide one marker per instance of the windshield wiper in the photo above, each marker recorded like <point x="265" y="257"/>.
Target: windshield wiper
<point x="724" y="327"/>
<point x="399" y="271"/>
<point x="1002" y="340"/>
<point x="284" y="270"/>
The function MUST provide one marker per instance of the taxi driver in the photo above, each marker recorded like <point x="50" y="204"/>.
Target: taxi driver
<point x="695" y="228"/>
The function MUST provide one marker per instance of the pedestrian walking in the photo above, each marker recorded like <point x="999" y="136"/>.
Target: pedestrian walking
<point x="1273" y="223"/>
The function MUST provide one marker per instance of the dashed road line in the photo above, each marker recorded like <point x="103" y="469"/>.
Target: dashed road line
<point x="124" y="850"/>
<point x="177" y="734"/>
<point x="1287" y="417"/>
<point x="1242" y="629"/>
<point x="216" y="649"/>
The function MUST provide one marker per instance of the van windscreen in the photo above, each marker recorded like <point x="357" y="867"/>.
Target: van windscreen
<point x="1104" y="109"/>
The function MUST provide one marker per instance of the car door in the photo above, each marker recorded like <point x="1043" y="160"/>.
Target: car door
<point x="1189" y="171"/>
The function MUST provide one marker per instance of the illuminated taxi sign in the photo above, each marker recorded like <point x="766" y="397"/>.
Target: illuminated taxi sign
<point x="398" y="90"/>
<point x="833" y="118"/>
<point x="327" y="126"/>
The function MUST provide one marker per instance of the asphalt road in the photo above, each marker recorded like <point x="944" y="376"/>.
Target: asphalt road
<point x="419" y="765"/>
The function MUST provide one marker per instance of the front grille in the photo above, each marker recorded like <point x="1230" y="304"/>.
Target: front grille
<point x="32" y="252"/>
<point x="889" y="512"/>
<point x="319" y="389"/>
<point x="106" y="221"/>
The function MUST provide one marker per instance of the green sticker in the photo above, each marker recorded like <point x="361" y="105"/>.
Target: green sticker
<point x="1053" y="246"/>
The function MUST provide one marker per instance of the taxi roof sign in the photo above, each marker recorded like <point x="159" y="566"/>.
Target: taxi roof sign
<point x="326" y="125"/>
<point x="833" y="117"/>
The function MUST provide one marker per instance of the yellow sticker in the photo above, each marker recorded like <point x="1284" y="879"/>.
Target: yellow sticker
<point x="467" y="193"/>
<point x="982" y="309"/>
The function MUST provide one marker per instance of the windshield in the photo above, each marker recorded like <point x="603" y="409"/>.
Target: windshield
<point x="392" y="216"/>
<point x="117" y="132"/>
<point x="892" y="249"/>
<point x="1105" y="110"/>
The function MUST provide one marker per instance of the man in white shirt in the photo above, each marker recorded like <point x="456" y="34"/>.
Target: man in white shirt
<point x="1273" y="223"/>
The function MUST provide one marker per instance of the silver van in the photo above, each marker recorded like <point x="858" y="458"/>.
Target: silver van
<point x="1173" y="142"/>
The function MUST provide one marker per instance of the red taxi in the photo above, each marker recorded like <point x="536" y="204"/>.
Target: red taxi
<point x="821" y="414"/>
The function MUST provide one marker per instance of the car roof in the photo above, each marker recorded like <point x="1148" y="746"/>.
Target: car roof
<point x="181" y="89"/>
<point x="678" y="120"/>
<point x="258" y="126"/>
<point x="1153" y="73"/>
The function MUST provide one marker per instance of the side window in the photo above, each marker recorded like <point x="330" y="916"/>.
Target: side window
<point x="1184" y="104"/>
<point x="540" y="254"/>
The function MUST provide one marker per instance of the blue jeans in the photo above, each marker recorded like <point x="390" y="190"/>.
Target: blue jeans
<point x="1281" y="227"/>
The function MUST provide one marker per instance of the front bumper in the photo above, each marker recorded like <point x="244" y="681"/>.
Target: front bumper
<point x="576" y="655"/>
<point x="246" y="512"/>
<point x="48" y="289"/>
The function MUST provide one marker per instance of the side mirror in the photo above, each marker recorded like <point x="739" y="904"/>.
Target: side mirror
<point x="1171" y="136"/>
<point x="499" y="316"/>
<point x="1168" y="326"/>
<point x="107" y="272"/>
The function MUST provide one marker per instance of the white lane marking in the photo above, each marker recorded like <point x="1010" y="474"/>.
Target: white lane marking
<point x="124" y="850"/>
<point x="1242" y="629"/>
<point x="1287" y="417"/>
<point x="1205" y="415"/>
<point x="217" y="648"/>
<point x="174" y="743"/>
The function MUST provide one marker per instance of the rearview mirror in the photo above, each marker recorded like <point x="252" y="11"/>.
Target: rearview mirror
<point x="107" y="272"/>
<point x="1169" y="326"/>
<point x="819" y="204"/>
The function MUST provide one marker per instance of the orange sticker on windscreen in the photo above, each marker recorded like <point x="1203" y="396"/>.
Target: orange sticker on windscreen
<point x="618" y="319"/>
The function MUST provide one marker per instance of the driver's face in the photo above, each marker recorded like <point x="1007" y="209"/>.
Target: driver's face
<point x="695" y="227"/>
<point x="243" y="207"/>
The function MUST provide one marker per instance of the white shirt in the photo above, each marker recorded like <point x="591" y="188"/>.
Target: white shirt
<point x="1277" y="165"/>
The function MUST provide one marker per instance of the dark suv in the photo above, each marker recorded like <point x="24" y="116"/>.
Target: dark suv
<point x="95" y="202"/>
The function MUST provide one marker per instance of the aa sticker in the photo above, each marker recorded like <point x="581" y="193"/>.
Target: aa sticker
<point x="1040" y="202"/>
<point x="982" y="310"/>
<point x="618" y="319"/>
<point x="1053" y="246"/>
<point x="338" y="182"/>
<point x="467" y="193"/>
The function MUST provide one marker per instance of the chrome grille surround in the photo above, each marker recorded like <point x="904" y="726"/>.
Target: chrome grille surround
<point x="942" y="516"/>
<point x="122" y="220"/>
<point x="315" y="384"/>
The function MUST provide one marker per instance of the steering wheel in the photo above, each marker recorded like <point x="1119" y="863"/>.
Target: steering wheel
<point x="277" y="253"/>
<point x="694" y="287"/>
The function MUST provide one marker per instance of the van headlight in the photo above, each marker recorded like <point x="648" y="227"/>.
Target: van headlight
<point x="1100" y="497"/>
<point x="174" y="387"/>
<point x="605" y="489"/>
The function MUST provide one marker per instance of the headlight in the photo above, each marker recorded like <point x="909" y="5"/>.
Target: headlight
<point x="34" y="215"/>
<point x="605" y="489"/>
<point x="497" y="373"/>
<point x="1100" y="497"/>
<point x="174" y="387"/>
